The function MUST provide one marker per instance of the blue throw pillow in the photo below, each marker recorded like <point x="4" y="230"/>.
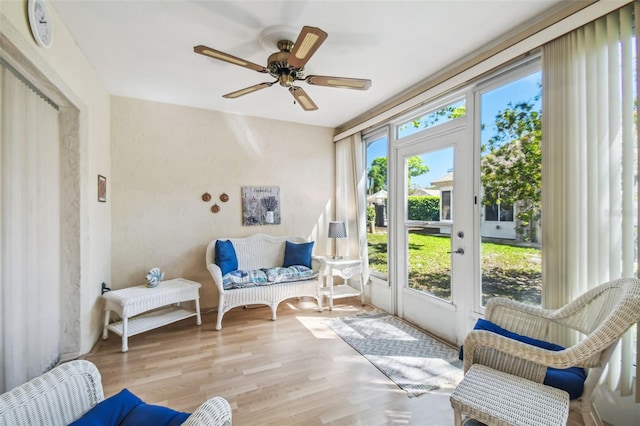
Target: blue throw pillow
<point x="225" y="256"/>
<point x="110" y="411"/>
<point x="126" y="409"/>
<point x="569" y="379"/>
<point x="154" y="415"/>
<point x="297" y="254"/>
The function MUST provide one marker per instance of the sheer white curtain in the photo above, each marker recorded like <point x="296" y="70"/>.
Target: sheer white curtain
<point x="30" y="233"/>
<point x="350" y="197"/>
<point x="589" y="166"/>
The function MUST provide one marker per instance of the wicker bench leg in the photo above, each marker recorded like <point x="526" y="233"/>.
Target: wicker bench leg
<point x="198" y="317"/>
<point x="105" y="330"/>
<point x="125" y="334"/>
<point x="457" y="417"/>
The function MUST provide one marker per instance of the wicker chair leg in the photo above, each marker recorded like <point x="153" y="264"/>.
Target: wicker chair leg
<point x="219" y="321"/>
<point x="590" y="415"/>
<point x="274" y="308"/>
<point x="457" y="417"/>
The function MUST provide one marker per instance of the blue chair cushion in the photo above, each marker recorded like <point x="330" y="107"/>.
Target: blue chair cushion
<point x="569" y="379"/>
<point x="126" y="409"/>
<point x="297" y="254"/>
<point x="225" y="256"/>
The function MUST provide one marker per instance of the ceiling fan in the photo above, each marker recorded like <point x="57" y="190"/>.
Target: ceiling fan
<point x="287" y="66"/>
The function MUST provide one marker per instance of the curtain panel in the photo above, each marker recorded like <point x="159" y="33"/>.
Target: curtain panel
<point x="30" y="229"/>
<point x="590" y="167"/>
<point x="350" y="198"/>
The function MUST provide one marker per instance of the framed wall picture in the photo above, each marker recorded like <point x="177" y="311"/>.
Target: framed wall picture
<point x="260" y="205"/>
<point x="102" y="189"/>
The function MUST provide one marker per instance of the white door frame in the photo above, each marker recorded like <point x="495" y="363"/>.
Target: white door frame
<point x="448" y="320"/>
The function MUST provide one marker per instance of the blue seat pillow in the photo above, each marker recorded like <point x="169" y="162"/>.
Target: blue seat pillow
<point x="569" y="379"/>
<point x="225" y="256"/>
<point x="126" y="409"/>
<point x="297" y="254"/>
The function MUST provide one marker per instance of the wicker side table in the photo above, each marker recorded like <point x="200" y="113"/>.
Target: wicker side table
<point x="137" y="306"/>
<point x="497" y="398"/>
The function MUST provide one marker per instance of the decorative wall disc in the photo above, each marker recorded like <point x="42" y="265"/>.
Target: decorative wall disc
<point x="215" y="208"/>
<point x="206" y="197"/>
<point x="224" y="197"/>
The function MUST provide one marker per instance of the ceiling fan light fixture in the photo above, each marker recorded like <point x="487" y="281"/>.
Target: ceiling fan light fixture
<point x="287" y="65"/>
<point x="286" y="80"/>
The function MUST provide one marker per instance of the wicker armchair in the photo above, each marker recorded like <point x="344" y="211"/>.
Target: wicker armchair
<point x="601" y="315"/>
<point x="65" y="393"/>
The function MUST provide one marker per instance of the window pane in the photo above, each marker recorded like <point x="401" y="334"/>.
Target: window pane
<point x="377" y="205"/>
<point x="506" y="213"/>
<point x="429" y="247"/>
<point x="511" y="161"/>
<point x="491" y="212"/>
<point x="445" y="209"/>
<point x="432" y="118"/>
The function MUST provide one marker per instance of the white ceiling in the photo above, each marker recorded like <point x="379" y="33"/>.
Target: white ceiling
<point x="144" y="48"/>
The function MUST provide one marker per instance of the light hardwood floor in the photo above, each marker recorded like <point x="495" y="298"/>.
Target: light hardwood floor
<point x="293" y="371"/>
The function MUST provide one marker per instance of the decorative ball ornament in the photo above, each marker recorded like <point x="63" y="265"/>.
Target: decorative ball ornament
<point x="154" y="276"/>
<point x="206" y="197"/>
<point x="224" y="197"/>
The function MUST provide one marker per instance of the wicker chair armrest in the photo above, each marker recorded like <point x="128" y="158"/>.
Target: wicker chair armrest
<point x="318" y="263"/>
<point x="512" y="356"/>
<point x="216" y="274"/>
<point x="57" y="397"/>
<point x="215" y="411"/>
<point x="519" y="317"/>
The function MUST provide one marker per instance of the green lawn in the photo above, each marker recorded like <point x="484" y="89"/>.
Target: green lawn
<point x="507" y="270"/>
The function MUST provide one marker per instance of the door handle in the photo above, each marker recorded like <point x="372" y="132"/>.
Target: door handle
<point x="459" y="251"/>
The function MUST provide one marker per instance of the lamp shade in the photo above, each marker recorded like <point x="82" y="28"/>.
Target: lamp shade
<point x="337" y="230"/>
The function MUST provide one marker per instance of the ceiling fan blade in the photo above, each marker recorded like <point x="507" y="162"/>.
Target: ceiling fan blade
<point x="247" y="90"/>
<point x="308" y="42"/>
<point x="341" y="82"/>
<point x="216" y="54"/>
<point x="303" y="99"/>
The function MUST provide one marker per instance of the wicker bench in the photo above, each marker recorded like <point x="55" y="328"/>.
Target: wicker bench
<point x="255" y="252"/>
<point x="481" y="396"/>
<point x="131" y="301"/>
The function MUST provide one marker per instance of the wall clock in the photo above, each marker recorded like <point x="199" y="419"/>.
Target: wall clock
<point x="40" y="22"/>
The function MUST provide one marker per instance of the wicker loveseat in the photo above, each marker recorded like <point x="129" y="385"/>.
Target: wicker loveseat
<point x="259" y="252"/>
<point x="67" y="392"/>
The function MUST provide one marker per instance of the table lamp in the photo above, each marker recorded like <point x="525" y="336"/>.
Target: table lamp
<point x="337" y="229"/>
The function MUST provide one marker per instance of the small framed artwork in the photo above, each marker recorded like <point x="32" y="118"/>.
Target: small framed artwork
<point x="260" y="205"/>
<point x="102" y="189"/>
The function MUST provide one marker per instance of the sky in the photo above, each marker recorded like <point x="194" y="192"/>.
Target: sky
<point x="441" y="162"/>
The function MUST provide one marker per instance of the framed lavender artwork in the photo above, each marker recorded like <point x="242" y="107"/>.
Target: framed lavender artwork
<point x="260" y="205"/>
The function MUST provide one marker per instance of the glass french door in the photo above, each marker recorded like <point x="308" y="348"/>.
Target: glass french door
<point x="435" y="232"/>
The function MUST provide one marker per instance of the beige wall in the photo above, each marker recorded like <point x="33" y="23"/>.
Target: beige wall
<point x="86" y="149"/>
<point x="166" y="156"/>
